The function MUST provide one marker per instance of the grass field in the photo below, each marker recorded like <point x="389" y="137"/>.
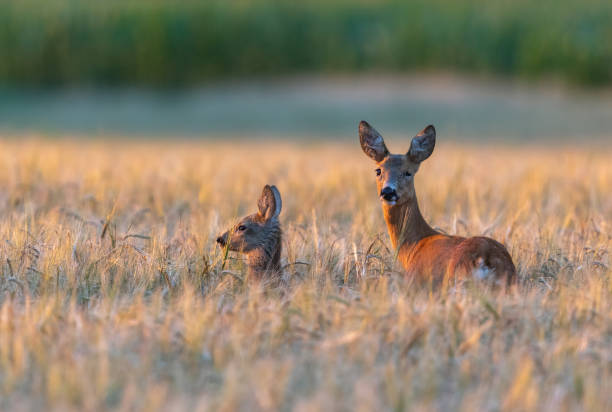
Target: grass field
<point x="114" y="296"/>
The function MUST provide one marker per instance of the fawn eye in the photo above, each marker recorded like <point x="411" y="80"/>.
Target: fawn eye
<point x="242" y="228"/>
<point x="407" y="174"/>
<point x="378" y="171"/>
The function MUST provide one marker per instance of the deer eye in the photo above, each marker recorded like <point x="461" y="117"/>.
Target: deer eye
<point x="378" y="171"/>
<point x="407" y="174"/>
<point x="242" y="228"/>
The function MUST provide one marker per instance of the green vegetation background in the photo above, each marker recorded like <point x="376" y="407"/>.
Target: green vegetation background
<point x="178" y="43"/>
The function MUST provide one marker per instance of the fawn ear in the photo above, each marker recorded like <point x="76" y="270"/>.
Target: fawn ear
<point x="422" y="144"/>
<point x="372" y="142"/>
<point x="270" y="203"/>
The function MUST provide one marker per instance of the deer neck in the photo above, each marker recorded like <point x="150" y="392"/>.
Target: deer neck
<point x="406" y="224"/>
<point x="266" y="258"/>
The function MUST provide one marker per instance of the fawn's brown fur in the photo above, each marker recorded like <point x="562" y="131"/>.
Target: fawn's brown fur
<point x="426" y="254"/>
<point x="259" y="236"/>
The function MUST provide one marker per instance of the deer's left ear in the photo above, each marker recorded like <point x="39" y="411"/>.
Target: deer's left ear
<point x="422" y="145"/>
<point x="270" y="203"/>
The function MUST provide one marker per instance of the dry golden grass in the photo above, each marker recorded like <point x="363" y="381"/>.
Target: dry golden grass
<point x="113" y="296"/>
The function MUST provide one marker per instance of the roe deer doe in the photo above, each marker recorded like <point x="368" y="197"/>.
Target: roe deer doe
<point x="426" y="254"/>
<point x="258" y="236"/>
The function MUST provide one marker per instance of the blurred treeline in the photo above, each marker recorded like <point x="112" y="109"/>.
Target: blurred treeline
<point x="177" y="43"/>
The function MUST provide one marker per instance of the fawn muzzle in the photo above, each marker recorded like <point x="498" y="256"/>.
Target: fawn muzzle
<point x="221" y="240"/>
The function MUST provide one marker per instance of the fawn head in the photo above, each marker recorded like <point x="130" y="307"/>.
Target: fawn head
<point x="258" y="230"/>
<point x="395" y="172"/>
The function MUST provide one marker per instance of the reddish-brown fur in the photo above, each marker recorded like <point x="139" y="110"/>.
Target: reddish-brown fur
<point x="426" y="254"/>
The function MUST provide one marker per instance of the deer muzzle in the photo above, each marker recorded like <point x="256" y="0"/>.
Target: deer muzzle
<point x="222" y="240"/>
<point x="388" y="194"/>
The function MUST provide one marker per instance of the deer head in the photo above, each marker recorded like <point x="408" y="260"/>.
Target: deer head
<point x="395" y="172"/>
<point x="258" y="235"/>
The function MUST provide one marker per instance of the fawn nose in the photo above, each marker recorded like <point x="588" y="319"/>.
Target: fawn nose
<point x="221" y="241"/>
<point x="389" y="194"/>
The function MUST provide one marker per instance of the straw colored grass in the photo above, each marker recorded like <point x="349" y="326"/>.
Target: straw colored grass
<point x="113" y="294"/>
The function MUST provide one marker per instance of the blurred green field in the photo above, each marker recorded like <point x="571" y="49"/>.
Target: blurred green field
<point x="167" y="43"/>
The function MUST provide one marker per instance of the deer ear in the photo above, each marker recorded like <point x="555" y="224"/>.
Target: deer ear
<point x="422" y="144"/>
<point x="372" y="142"/>
<point x="269" y="203"/>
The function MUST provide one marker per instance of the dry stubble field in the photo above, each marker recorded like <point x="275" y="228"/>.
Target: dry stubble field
<point x="113" y="294"/>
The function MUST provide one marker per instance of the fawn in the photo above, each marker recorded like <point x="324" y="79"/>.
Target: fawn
<point x="426" y="254"/>
<point x="258" y="236"/>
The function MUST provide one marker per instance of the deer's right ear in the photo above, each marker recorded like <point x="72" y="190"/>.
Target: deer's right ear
<point x="270" y="203"/>
<point x="372" y="142"/>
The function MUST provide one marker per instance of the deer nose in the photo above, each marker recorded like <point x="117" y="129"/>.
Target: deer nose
<point x="388" y="193"/>
<point x="221" y="241"/>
